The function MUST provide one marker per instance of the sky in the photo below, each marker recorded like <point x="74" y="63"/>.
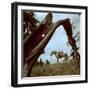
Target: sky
<point x="58" y="42"/>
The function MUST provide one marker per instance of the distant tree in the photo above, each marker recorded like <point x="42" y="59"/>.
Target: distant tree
<point x="77" y="36"/>
<point x="59" y="54"/>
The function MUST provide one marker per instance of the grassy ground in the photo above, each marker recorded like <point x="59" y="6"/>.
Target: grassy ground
<point x="56" y="69"/>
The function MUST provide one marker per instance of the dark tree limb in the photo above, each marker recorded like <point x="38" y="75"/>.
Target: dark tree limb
<point x="44" y="42"/>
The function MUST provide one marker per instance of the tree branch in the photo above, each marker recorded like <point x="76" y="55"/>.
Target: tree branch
<point x="46" y="39"/>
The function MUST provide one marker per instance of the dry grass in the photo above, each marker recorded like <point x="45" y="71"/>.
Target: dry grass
<point x="56" y="69"/>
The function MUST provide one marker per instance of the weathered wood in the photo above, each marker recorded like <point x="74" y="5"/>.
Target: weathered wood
<point x="45" y="40"/>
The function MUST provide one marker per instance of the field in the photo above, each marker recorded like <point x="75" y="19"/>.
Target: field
<point x="56" y="69"/>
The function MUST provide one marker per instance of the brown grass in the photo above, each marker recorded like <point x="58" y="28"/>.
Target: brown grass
<point x="56" y="69"/>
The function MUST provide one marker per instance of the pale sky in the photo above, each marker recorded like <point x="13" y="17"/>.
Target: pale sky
<point x="58" y="42"/>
